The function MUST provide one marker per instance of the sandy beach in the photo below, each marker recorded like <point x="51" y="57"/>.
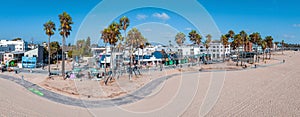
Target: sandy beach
<point x="269" y="90"/>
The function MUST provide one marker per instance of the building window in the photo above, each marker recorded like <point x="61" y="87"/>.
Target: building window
<point x="9" y="55"/>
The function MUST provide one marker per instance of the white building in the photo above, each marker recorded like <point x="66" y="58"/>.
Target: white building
<point x="12" y="56"/>
<point x="7" y="48"/>
<point x="37" y="52"/>
<point x="215" y="51"/>
<point x="20" y="45"/>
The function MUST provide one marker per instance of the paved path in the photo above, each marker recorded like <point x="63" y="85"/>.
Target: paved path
<point x="135" y="96"/>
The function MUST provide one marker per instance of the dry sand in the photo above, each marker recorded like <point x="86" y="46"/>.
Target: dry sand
<point x="266" y="91"/>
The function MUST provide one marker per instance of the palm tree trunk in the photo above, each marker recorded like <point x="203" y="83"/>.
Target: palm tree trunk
<point x="105" y="59"/>
<point x="270" y="54"/>
<point x="142" y="55"/>
<point x="266" y="55"/>
<point x="138" y="56"/>
<point x="256" y="53"/>
<point x="63" y="57"/>
<point x="49" y="56"/>
<point x="131" y="59"/>
<point x="224" y="49"/>
<point x="263" y="55"/>
<point x="111" y="57"/>
<point x="238" y="57"/>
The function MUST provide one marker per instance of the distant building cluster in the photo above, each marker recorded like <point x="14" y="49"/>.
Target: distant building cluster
<point x="14" y="50"/>
<point x="215" y="52"/>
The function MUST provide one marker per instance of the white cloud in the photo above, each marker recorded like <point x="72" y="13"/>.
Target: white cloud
<point x="162" y="16"/>
<point x="289" y="36"/>
<point x="188" y="29"/>
<point x="296" y="25"/>
<point x="141" y="16"/>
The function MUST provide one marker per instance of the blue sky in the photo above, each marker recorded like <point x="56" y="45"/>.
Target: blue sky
<point x="278" y="18"/>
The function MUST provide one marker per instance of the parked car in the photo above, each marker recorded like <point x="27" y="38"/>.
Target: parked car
<point x="3" y="68"/>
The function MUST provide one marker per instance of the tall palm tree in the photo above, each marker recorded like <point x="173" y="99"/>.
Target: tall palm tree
<point x="49" y="27"/>
<point x="255" y="38"/>
<point x="195" y="37"/>
<point x="269" y="40"/>
<point x="134" y="39"/>
<point x="105" y="36"/>
<point x="225" y="43"/>
<point x="180" y="38"/>
<point x="124" y="24"/>
<point x="245" y="42"/>
<point x="207" y="42"/>
<point x="115" y="36"/>
<point x="237" y="43"/>
<point x="111" y="35"/>
<point x="263" y="46"/>
<point x="65" y="29"/>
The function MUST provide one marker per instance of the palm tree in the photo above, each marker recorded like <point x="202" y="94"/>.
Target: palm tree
<point x="105" y="35"/>
<point x="180" y="38"/>
<point x="245" y="41"/>
<point x="113" y="36"/>
<point x="134" y="39"/>
<point x="263" y="46"/>
<point x="237" y="42"/>
<point x="195" y="38"/>
<point x="225" y="43"/>
<point x="269" y="40"/>
<point x="110" y="35"/>
<point x="124" y="23"/>
<point x="65" y="29"/>
<point x="49" y="27"/>
<point x="255" y="38"/>
<point x="207" y="42"/>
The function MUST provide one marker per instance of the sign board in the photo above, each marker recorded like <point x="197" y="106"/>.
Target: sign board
<point x="29" y="62"/>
